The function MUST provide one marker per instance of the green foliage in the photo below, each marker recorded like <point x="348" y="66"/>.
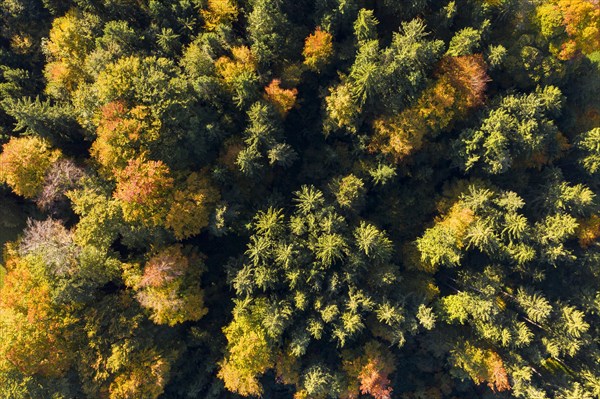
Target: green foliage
<point x="466" y="41"/>
<point x="518" y="129"/>
<point x="308" y="199"/>
<point x="589" y="144"/>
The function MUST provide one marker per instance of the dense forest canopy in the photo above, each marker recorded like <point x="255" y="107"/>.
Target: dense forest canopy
<point x="302" y="199"/>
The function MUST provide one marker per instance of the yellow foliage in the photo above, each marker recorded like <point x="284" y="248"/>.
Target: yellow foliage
<point x="342" y="110"/>
<point x="24" y="162"/>
<point x="70" y="40"/>
<point x="219" y="12"/>
<point x="458" y="220"/>
<point x="318" y="49"/>
<point x="483" y="365"/>
<point x="144" y="375"/>
<point x="115" y="82"/>
<point x="243" y="61"/>
<point x="249" y="354"/>
<point x="399" y="135"/>
<point x="192" y="205"/>
<point x="35" y="336"/>
<point x="21" y="44"/>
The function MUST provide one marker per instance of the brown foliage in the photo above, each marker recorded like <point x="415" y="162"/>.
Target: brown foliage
<point x="468" y="76"/>
<point x="63" y="176"/>
<point x="369" y="372"/>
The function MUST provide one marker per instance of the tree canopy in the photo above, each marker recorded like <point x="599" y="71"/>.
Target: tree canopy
<point x="305" y="199"/>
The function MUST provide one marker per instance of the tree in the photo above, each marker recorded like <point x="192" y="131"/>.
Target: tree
<point x="239" y="74"/>
<point x="63" y="176"/>
<point x="589" y="144"/>
<point x="122" y="357"/>
<point x="219" y="12"/>
<point x="169" y="286"/>
<point x="316" y="277"/>
<point x="282" y="99"/>
<point x="465" y="42"/>
<point x="365" y="26"/>
<point x="249" y="351"/>
<point x="266" y="26"/>
<point x="349" y="191"/>
<point x="570" y="26"/>
<point x="191" y="206"/>
<point x="144" y="190"/>
<point x="71" y="39"/>
<point x="483" y="366"/>
<point x="506" y="134"/>
<point x="459" y="88"/>
<point x="121" y="135"/>
<point x="50" y="122"/>
<point x="25" y="162"/>
<point x="318" y="49"/>
<point x="37" y="335"/>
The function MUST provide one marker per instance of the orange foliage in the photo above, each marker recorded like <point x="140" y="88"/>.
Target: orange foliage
<point x="170" y="287"/>
<point x="588" y="231"/>
<point x="572" y="25"/>
<point x="164" y="267"/>
<point x="318" y="49"/>
<point x="282" y="99"/>
<point x="374" y="381"/>
<point x="497" y="378"/>
<point x="142" y="181"/>
<point x="369" y="372"/>
<point x="483" y="365"/>
<point x="143" y="189"/>
<point x="122" y="134"/>
<point x="582" y="23"/>
<point x="459" y="88"/>
<point x="34" y="335"/>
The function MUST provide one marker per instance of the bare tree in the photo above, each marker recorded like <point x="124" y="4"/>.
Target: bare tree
<point x="63" y="176"/>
